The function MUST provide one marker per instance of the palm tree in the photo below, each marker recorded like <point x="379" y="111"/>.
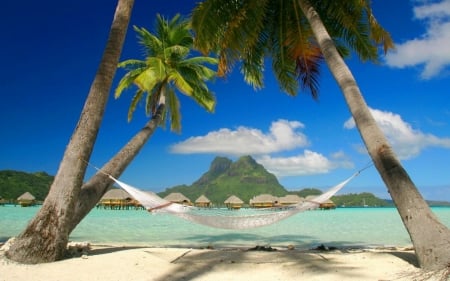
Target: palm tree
<point x="296" y="35"/>
<point x="47" y="242"/>
<point x="168" y="66"/>
<point x="46" y="236"/>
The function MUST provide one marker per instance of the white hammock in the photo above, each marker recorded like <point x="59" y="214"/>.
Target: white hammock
<point x="226" y="219"/>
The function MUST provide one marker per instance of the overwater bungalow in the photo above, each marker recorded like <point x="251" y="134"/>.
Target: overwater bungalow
<point x="179" y="198"/>
<point x="264" y="201"/>
<point x="26" y="199"/>
<point x="233" y="202"/>
<point x="290" y="199"/>
<point x="327" y="205"/>
<point x="203" y="202"/>
<point x="118" y="199"/>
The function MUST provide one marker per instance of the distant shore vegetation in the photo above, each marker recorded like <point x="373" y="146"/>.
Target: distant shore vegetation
<point x="15" y="183"/>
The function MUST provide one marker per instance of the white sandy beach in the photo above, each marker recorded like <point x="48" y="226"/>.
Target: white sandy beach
<point x="111" y="263"/>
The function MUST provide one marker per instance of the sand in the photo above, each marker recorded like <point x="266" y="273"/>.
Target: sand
<point x="111" y="263"/>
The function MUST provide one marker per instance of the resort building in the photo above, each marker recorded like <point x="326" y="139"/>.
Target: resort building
<point x="203" y="202"/>
<point x="26" y="199"/>
<point x="179" y="198"/>
<point x="264" y="201"/>
<point x="327" y="205"/>
<point x="290" y="199"/>
<point x="233" y="202"/>
<point x="118" y="199"/>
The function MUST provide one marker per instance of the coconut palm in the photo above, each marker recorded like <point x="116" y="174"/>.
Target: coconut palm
<point x="168" y="67"/>
<point x="296" y="35"/>
<point x="46" y="236"/>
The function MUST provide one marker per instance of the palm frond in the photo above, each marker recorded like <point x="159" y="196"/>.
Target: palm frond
<point x="131" y="64"/>
<point x="308" y="69"/>
<point x="196" y="70"/>
<point x="136" y="98"/>
<point x="151" y="43"/>
<point x="353" y="23"/>
<point x="209" y="20"/>
<point x="180" y="83"/>
<point x="233" y="27"/>
<point x="204" y="97"/>
<point x="174" y="110"/>
<point x="126" y="81"/>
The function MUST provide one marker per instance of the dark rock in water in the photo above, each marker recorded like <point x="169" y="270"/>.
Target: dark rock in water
<point x="322" y="247"/>
<point x="262" y="248"/>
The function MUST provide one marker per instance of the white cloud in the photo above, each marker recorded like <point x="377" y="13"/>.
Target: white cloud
<point x="283" y="135"/>
<point x="308" y="163"/>
<point x="406" y="141"/>
<point x="430" y="49"/>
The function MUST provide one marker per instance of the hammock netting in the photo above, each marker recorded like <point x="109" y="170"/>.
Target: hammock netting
<point x="223" y="218"/>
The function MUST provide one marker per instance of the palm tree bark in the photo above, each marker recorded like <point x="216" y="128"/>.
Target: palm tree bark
<point x="46" y="236"/>
<point x="431" y="239"/>
<point x="95" y="188"/>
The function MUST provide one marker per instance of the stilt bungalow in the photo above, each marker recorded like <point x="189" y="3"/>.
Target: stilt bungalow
<point x="234" y="203"/>
<point x="26" y="199"/>
<point x="203" y="202"/>
<point x="179" y="198"/>
<point x="118" y="199"/>
<point x="264" y="201"/>
<point x="327" y="205"/>
<point x="290" y="199"/>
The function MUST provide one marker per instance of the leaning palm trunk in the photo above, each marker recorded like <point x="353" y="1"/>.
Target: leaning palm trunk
<point x="431" y="239"/>
<point x="95" y="188"/>
<point x="46" y="236"/>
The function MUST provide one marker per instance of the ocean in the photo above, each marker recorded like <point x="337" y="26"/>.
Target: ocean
<point x="341" y="227"/>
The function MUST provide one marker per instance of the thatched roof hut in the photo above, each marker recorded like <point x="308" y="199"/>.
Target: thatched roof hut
<point x="117" y="198"/>
<point x="203" y="202"/>
<point x="179" y="198"/>
<point x="264" y="201"/>
<point x="233" y="202"/>
<point x="26" y="199"/>
<point x="290" y="199"/>
<point x="327" y="205"/>
<point x="116" y="194"/>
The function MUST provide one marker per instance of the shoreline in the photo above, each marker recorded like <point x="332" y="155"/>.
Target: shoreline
<point x="127" y="262"/>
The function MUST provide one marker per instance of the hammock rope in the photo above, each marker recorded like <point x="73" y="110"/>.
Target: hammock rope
<point x="225" y="219"/>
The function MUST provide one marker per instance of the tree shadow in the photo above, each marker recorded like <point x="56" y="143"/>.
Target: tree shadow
<point x="194" y="265"/>
<point x="101" y="250"/>
<point x="409" y="257"/>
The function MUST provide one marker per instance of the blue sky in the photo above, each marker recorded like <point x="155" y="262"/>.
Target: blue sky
<point x="51" y="50"/>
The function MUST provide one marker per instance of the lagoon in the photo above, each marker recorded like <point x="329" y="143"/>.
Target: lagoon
<point x="341" y="227"/>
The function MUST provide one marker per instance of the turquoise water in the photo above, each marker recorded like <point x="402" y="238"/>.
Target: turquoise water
<point x="339" y="227"/>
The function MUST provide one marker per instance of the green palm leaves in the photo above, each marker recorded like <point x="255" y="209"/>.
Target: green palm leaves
<point x="246" y="31"/>
<point x="168" y="67"/>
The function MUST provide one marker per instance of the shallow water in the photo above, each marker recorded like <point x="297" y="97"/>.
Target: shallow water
<point x="339" y="227"/>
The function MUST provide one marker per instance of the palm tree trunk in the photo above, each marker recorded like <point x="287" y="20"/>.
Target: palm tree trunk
<point x="95" y="188"/>
<point x="431" y="239"/>
<point x="46" y="236"/>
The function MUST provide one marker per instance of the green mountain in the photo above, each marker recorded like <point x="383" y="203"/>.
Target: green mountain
<point x="244" y="178"/>
<point x="15" y="183"/>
